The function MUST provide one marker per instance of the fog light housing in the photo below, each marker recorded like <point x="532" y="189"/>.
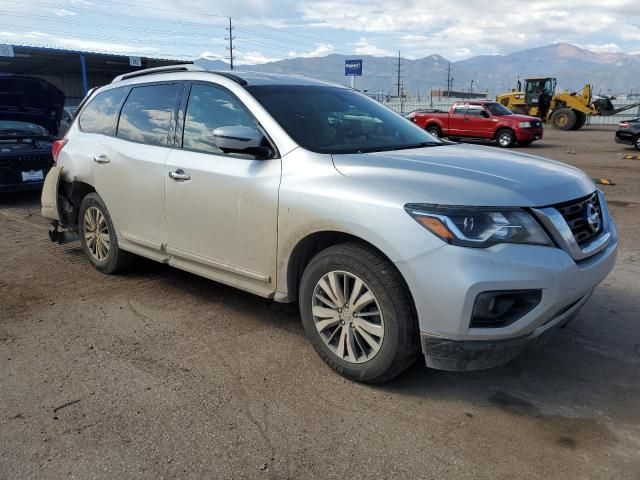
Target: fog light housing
<point x="497" y="309"/>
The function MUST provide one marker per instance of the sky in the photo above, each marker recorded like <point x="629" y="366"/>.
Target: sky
<point x="272" y="30"/>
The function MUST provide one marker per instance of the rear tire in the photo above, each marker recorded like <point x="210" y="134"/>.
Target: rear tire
<point x="331" y="310"/>
<point x="563" y="119"/>
<point x="636" y="142"/>
<point x="98" y="236"/>
<point x="505" y="138"/>
<point x="434" y="130"/>
<point x="581" y="119"/>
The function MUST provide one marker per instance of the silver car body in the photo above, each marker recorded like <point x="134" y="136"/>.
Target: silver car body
<point x="240" y="222"/>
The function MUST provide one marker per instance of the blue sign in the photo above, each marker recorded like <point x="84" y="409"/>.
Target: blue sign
<point x="353" y="68"/>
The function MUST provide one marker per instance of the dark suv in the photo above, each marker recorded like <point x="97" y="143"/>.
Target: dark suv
<point x="30" y="113"/>
<point x="629" y="133"/>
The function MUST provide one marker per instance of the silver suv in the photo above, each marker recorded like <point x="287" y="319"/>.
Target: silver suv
<point x="393" y="242"/>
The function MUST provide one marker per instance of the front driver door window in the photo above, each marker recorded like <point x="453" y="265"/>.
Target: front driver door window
<point x="224" y="216"/>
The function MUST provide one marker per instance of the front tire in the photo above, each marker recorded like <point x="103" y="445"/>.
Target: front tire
<point x="357" y="313"/>
<point x="505" y="138"/>
<point x="434" y="130"/>
<point x="563" y="119"/>
<point x="98" y="236"/>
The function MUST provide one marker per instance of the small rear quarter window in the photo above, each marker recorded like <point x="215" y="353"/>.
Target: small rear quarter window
<point x="100" y="115"/>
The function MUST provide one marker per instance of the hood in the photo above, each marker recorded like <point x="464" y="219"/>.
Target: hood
<point x="469" y="175"/>
<point x="516" y="117"/>
<point x="28" y="99"/>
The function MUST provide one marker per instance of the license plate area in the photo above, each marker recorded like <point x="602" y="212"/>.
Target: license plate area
<point x="32" y="176"/>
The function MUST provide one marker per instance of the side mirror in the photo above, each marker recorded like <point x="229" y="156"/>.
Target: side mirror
<point x="485" y="114"/>
<point x="239" y="139"/>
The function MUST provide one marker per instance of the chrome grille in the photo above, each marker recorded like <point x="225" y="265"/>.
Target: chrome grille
<point x="576" y="215"/>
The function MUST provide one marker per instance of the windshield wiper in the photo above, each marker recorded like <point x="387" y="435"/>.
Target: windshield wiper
<point x="398" y="147"/>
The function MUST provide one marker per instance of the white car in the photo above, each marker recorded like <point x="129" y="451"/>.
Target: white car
<point x="394" y="243"/>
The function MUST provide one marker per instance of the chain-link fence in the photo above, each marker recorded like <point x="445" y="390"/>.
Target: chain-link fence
<point x="442" y="103"/>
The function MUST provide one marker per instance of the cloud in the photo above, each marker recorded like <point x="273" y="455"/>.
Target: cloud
<point x="463" y="29"/>
<point x="321" y="50"/>
<point x="61" y="12"/>
<point x="254" y="58"/>
<point x="363" y="47"/>
<point x="602" y="48"/>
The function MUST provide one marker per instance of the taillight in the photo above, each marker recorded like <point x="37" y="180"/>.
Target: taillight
<point x="623" y="125"/>
<point x="56" y="147"/>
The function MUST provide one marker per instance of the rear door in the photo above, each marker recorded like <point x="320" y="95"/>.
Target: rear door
<point x="457" y="120"/>
<point x="477" y="124"/>
<point x="129" y="167"/>
<point x="221" y="208"/>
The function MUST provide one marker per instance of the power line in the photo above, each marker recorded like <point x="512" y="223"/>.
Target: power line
<point x="114" y="39"/>
<point x="116" y="27"/>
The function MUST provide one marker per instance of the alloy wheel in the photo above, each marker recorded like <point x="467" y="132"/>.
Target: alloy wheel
<point x="96" y="233"/>
<point x="348" y="317"/>
<point x="504" y="139"/>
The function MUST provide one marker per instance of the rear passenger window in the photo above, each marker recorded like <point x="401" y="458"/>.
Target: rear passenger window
<point x="475" y="110"/>
<point x="211" y="107"/>
<point x="101" y="114"/>
<point x="147" y="114"/>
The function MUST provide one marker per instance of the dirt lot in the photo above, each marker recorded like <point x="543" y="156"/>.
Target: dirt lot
<point x="161" y="374"/>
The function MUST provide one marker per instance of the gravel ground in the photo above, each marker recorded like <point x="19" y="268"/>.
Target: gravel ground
<point x="161" y="374"/>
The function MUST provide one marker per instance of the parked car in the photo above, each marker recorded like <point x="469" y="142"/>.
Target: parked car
<point x="628" y="133"/>
<point x="68" y="113"/>
<point x="393" y="243"/>
<point x="30" y="112"/>
<point x="480" y="119"/>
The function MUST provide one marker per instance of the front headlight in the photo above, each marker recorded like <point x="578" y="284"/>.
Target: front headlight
<point x="479" y="227"/>
<point x="524" y="124"/>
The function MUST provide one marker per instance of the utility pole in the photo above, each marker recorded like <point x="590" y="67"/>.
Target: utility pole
<point x="449" y="80"/>
<point x="230" y="47"/>
<point x="399" y="84"/>
<point x="471" y="91"/>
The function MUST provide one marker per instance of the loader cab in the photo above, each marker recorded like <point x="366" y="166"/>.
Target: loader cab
<point x="533" y="87"/>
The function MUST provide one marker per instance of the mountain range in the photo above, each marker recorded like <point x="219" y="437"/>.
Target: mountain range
<point x="608" y="73"/>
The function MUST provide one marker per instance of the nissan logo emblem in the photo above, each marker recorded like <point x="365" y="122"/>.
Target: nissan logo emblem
<point x="593" y="217"/>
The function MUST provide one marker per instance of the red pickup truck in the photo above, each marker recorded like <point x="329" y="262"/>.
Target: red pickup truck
<point x="480" y="119"/>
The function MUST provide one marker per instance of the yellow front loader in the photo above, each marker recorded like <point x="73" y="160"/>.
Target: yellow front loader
<point x="567" y="111"/>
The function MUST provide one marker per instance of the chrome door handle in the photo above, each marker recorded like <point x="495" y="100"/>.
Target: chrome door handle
<point x="101" y="158"/>
<point x="179" y="175"/>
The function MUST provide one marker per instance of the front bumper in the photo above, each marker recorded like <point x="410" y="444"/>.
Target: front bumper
<point x="529" y="134"/>
<point x="20" y="187"/>
<point x="445" y="283"/>
<point x="624" y="137"/>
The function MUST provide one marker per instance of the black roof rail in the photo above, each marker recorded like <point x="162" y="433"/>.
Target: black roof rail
<point x="231" y="76"/>
<point x="187" y="67"/>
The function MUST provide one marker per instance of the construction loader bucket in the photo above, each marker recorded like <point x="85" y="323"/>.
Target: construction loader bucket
<point x="603" y="106"/>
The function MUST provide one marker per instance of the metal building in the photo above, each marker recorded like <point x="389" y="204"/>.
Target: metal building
<point x="73" y="72"/>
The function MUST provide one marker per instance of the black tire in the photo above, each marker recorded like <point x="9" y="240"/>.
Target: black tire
<point x="434" y="130"/>
<point x="636" y="142"/>
<point x="505" y="138"/>
<point x="581" y="119"/>
<point x="115" y="259"/>
<point x="563" y="119"/>
<point x="400" y="345"/>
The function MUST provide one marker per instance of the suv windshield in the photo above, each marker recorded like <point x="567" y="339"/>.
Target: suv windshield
<point x="498" y="109"/>
<point x="337" y="120"/>
<point x="15" y="127"/>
